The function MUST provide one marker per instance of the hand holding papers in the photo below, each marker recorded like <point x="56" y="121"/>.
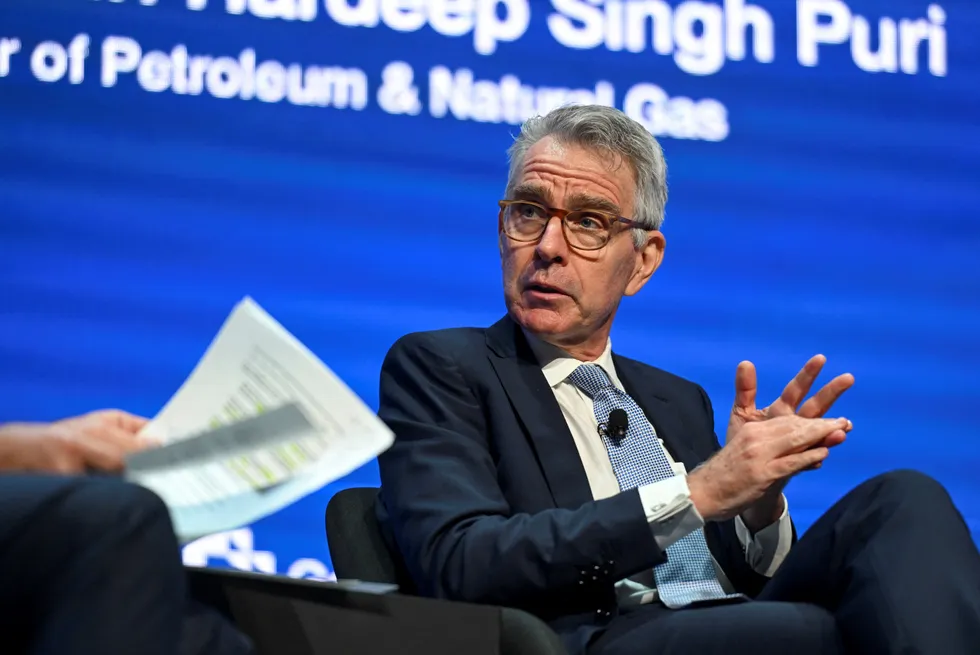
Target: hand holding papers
<point x="259" y="423"/>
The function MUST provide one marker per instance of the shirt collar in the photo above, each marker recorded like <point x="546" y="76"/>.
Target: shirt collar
<point x="557" y="365"/>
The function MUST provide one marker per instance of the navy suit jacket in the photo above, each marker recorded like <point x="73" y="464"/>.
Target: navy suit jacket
<point x="484" y="494"/>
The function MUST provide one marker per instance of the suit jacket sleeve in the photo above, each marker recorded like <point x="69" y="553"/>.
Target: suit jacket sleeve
<point x="451" y="521"/>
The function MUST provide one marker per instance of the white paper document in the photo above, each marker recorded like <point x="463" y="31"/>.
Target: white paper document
<point x="259" y="423"/>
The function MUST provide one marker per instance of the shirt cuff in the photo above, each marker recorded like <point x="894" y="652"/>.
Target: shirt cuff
<point x="767" y="548"/>
<point x="669" y="510"/>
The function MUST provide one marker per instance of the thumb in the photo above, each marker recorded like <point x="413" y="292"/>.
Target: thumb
<point x="152" y="435"/>
<point x="745" y="386"/>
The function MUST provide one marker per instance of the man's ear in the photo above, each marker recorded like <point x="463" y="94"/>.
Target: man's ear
<point x="649" y="256"/>
<point x="500" y="236"/>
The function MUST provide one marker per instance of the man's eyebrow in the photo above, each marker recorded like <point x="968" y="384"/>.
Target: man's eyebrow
<point x="588" y="201"/>
<point x="531" y="192"/>
<point x="576" y="201"/>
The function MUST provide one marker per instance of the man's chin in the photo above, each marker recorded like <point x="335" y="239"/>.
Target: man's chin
<point x="540" y="320"/>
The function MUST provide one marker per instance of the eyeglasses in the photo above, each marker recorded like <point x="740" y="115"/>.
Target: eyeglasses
<point x="584" y="229"/>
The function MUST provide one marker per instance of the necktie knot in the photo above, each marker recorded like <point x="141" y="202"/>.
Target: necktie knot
<point x="591" y="379"/>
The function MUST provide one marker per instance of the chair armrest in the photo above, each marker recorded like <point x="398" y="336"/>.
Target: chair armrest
<point x="522" y="633"/>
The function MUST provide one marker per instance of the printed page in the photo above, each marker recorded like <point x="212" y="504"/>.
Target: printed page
<point x="270" y="423"/>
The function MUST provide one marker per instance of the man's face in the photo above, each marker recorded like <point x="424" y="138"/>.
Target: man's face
<point x="567" y="296"/>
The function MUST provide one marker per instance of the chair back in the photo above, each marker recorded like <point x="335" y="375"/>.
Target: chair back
<point x="358" y="550"/>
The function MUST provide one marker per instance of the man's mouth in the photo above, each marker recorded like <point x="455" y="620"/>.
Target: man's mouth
<point x="544" y="289"/>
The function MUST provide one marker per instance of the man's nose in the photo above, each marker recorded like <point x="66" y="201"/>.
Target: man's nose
<point x="552" y="245"/>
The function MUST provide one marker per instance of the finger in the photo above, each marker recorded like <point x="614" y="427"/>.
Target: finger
<point x="799" y="386"/>
<point x="152" y="435"/>
<point x="94" y="452"/>
<point x="795" y="434"/>
<point x="818" y="431"/>
<point x="823" y="400"/>
<point x="796" y="462"/>
<point x="745" y="386"/>
<point x="123" y="440"/>
<point x="835" y="438"/>
<point x="123" y="420"/>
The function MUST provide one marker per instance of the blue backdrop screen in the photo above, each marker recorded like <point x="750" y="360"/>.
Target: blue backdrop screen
<point x="340" y="161"/>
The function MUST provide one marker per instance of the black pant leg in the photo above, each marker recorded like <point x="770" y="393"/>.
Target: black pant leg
<point x="89" y="566"/>
<point x="753" y="628"/>
<point x="896" y="564"/>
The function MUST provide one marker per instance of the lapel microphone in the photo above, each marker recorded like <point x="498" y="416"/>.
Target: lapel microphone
<point x="616" y="425"/>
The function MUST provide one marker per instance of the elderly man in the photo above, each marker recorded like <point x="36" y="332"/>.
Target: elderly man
<point x="536" y="468"/>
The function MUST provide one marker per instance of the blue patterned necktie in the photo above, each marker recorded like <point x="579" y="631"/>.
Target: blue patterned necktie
<point x="688" y="575"/>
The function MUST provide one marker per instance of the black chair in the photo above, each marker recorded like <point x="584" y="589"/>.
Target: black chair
<point x="359" y="552"/>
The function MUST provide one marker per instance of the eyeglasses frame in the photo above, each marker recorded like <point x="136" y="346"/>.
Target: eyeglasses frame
<point x="560" y="214"/>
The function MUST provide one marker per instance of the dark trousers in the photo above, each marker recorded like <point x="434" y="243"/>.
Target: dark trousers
<point x="891" y="568"/>
<point x="91" y="566"/>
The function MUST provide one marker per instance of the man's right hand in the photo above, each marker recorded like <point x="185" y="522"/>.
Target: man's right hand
<point x="760" y="455"/>
<point x="96" y="441"/>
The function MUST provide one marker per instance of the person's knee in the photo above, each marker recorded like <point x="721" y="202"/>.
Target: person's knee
<point x="98" y="509"/>
<point x="905" y="483"/>
<point x="911" y="496"/>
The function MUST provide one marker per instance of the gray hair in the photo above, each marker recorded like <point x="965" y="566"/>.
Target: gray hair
<point x="609" y="131"/>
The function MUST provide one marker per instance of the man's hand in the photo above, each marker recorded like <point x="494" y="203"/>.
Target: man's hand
<point x="95" y="441"/>
<point x="744" y="411"/>
<point x="757" y="458"/>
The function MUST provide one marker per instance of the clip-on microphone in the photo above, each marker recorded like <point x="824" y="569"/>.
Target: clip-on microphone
<point x="616" y="425"/>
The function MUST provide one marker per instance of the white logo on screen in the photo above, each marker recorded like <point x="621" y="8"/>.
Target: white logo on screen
<point x="236" y="548"/>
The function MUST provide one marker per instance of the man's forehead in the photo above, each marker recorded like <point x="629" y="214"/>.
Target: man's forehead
<point x="578" y="170"/>
<point x="577" y="157"/>
<point x="553" y="146"/>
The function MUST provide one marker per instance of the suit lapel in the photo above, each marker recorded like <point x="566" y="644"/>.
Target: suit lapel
<point x="534" y="403"/>
<point x="652" y="399"/>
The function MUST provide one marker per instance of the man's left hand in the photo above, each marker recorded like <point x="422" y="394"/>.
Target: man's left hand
<point x="769" y="508"/>
<point x="97" y="441"/>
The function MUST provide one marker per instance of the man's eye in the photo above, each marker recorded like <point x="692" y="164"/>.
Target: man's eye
<point x="590" y="222"/>
<point x="528" y="211"/>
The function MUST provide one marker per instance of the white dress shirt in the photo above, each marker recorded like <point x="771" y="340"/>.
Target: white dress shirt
<point x="667" y="503"/>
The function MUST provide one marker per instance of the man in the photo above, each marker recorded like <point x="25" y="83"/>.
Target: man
<point x="533" y="467"/>
<point x="90" y="564"/>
